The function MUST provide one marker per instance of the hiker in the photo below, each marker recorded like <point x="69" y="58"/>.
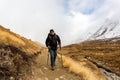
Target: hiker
<point x="52" y="43"/>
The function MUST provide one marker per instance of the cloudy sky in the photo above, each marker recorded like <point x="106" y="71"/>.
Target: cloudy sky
<point x="69" y="18"/>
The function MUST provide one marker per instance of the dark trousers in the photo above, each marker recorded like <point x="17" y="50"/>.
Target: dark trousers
<point x="53" y="55"/>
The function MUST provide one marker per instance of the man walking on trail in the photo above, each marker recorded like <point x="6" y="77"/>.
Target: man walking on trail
<point x="52" y="42"/>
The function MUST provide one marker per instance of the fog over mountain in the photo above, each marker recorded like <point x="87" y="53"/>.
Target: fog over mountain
<point x="73" y="20"/>
<point x="110" y="28"/>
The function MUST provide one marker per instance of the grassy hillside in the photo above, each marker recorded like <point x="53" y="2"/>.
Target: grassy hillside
<point x="8" y="38"/>
<point x="106" y="53"/>
<point x="16" y="55"/>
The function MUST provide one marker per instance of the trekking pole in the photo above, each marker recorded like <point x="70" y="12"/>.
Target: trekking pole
<point x="48" y="58"/>
<point x="61" y="58"/>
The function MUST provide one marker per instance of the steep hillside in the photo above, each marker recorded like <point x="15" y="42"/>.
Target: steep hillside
<point x="109" y="29"/>
<point x="8" y="38"/>
<point x="16" y="55"/>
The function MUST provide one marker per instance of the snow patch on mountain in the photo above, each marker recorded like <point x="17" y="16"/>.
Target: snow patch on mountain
<point x="109" y="29"/>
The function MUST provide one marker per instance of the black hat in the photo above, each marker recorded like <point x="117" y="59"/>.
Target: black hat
<point x="51" y="30"/>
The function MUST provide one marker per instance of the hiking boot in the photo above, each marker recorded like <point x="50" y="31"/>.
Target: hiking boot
<point x="52" y="68"/>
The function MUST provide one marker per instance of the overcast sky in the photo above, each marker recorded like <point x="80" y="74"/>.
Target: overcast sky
<point x="69" y="18"/>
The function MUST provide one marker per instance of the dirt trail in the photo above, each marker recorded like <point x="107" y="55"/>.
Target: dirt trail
<point x="42" y="71"/>
<point x="84" y="70"/>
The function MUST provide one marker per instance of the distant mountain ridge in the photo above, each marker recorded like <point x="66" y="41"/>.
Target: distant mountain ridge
<point x="109" y="29"/>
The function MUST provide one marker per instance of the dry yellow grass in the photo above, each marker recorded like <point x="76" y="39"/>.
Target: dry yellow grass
<point x="9" y="38"/>
<point x="104" y="52"/>
<point x="85" y="69"/>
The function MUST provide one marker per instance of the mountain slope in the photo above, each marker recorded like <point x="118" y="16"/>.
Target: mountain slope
<point x="109" y="29"/>
<point x="8" y="38"/>
<point x="16" y="55"/>
<point x="103" y="52"/>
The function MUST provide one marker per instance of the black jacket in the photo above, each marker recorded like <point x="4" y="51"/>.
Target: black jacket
<point x="53" y="41"/>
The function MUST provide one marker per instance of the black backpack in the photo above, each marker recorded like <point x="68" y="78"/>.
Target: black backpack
<point x="54" y="39"/>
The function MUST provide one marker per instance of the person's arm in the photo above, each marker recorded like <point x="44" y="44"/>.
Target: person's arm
<point x="47" y="42"/>
<point x="59" y="42"/>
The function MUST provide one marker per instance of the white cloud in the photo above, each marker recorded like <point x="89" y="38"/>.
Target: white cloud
<point x="85" y="6"/>
<point x="108" y="9"/>
<point x="34" y="18"/>
<point x="31" y="18"/>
